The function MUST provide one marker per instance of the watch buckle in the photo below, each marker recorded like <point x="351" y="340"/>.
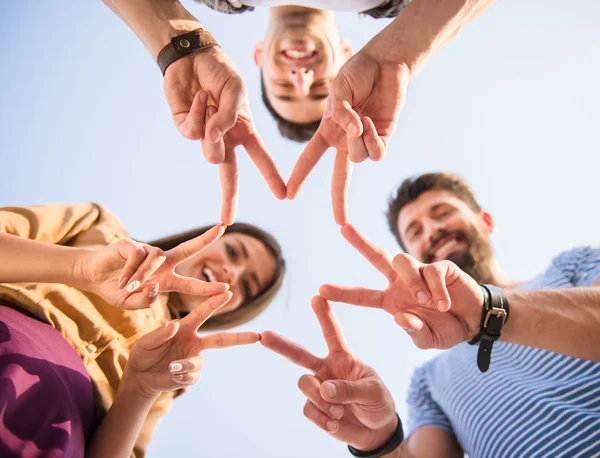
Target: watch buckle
<point x="495" y="311"/>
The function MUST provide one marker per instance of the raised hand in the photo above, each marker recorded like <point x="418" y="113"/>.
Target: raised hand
<point x="130" y="274"/>
<point x="364" y="103"/>
<point x="345" y="397"/>
<point x="438" y="304"/>
<point x="210" y="78"/>
<point x="170" y="357"/>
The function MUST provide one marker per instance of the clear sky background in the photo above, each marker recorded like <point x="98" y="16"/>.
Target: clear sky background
<point x="511" y="104"/>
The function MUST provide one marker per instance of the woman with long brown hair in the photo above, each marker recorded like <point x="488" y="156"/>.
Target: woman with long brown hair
<point x="98" y="332"/>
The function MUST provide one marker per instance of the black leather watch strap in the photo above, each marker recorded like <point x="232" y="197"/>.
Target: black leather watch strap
<point x="182" y="45"/>
<point x="494" y="314"/>
<point x="386" y="448"/>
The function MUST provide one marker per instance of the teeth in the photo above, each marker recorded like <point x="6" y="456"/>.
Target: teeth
<point x="445" y="248"/>
<point x="297" y="54"/>
<point x="208" y="275"/>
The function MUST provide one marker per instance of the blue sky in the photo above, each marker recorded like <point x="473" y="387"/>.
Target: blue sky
<point x="511" y="104"/>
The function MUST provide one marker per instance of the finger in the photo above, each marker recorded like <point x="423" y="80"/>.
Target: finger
<point x="374" y="254"/>
<point x="203" y="312"/>
<point x="213" y="151"/>
<point x="265" y="164"/>
<point x="342" y="171"/>
<point x="156" y="338"/>
<point x="182" y="366"/>
<point x="309" y="385"/>
<point x="191" y="124"/>
<point x="228" y="173"/>
<point x="195" y="287"/>
<point x="229" y="339"/>
<point x="435" y="277"/>
<point x="369" y="391"/>
<point x="191" y="247"/>
<point x="315" y="415"/>
<point x="408" y="321"/>
<point x="186" y="379"/>
<point x="290" y="350"/>
<point x="154" y="259"/>
<point x="142" y="298"/>
<point x="230" y="101"/>
<point x="374" y="144"/>
<point x="134" y="254"/>
<point x="314" y="151"/>
<point x="357" y="150"/>
<point x="352" y="295"/>
<point x="342" y="112"/>
<point x="332" y="329"/>
<point x="408" y="269"/>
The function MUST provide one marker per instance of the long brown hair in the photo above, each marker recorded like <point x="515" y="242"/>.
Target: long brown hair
<point x="248" y="310"/>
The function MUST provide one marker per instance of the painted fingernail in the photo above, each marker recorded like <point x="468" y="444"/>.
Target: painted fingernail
<point x="422" y="297"/>
<point x="216" y="135"/>
<point x="332" y="426"/>
<point x="131" y="287"/>
<point x="178" y="377"/>
<point x="330" y="388"/>
<point x="336" y="411"/>
<point x="122" y="283"/>
<point x="153" y="292"/>
<point x="175" y="367"/>
<point x="441" y="304"/>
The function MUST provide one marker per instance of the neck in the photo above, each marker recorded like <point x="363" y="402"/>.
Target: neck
<point x="499" y="278"/>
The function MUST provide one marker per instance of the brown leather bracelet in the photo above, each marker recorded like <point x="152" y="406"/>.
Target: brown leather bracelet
<point x="183" y="45"/>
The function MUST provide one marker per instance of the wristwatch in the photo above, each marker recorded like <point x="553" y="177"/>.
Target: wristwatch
<point x="182" y="45"/>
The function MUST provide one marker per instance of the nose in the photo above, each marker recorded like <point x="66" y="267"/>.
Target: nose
<point x="232" y="274"/>
<point x="432" y="230"/>
<point x="302" y="78"/>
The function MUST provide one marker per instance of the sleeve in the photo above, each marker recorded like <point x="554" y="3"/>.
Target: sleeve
<point x="63" y="224"/>
<point x="580" y="265"/>
<point x="423" y="410"/>
<point x="158" y="410"/>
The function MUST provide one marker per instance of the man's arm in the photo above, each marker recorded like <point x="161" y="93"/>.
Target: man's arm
<point x="564" y="321"/>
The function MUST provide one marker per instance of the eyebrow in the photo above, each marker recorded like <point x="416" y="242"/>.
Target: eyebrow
<point x="287" y="98"/>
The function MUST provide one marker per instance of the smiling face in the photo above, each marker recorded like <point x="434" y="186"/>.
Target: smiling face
<point x="299" y="58"/>
<point x="238" y="259"/>
<point x="438" y="225"/>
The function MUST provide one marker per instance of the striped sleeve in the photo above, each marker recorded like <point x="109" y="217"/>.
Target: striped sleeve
<point x="581" y="265"/>
<point x="423" y="410"/>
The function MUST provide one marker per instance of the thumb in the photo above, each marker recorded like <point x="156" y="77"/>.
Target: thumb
<point x="367" y="391"/>
<point x="229" y="105"/>
<point x="341" y="106"/>
<point x="156" y="338"/>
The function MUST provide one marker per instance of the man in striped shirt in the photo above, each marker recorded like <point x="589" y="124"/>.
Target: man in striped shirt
<point x="541" y="395"/>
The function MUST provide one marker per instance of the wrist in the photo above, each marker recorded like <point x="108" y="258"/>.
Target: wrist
<point x="131" y="386"/>
<point x="155" y="22"/>
<point x="379" y="437"/>
<point x="79" y="270"/>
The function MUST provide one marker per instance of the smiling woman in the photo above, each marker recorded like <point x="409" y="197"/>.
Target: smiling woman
<point x="249" y="259"/>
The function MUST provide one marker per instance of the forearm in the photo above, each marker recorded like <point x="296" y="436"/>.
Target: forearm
<point x="564" y="321"/>
<point x="120" y="428"/>
<point x="424" y="26"/>
<point x="155" y="22"/>
<point x="30" y="261"/>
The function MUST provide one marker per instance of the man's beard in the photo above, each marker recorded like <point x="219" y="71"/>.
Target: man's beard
<point x="476" y="260"/>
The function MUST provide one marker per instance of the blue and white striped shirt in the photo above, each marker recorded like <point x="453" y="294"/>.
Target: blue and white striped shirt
<point x="531" y="403"/>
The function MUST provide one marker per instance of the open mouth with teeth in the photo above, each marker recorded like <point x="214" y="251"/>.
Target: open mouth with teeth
<point x="295" y="54"/>
<point x="208" y="275"/>
<point x="446" y="246"/>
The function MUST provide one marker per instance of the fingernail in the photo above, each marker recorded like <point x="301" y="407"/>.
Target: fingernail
<point x="131" y="287"/>
<point x="122" y="283"/>
<point x="178" y="377"/>
<point x="336" y="411"/>
<point x="175" y="367"/>
<point x="203" y="97"/>
<point x="332" y="426"/>
<point x="259" y="337"/>
<point x="153" y="292"/>
<point x="422" y="297"/>
<point x="330" y="388"/>
<point x="216" y="135"/>
<point x="441" y="304"/>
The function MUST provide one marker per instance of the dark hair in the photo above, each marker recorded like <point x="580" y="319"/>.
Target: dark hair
<point x="254" y="307"/>
<point x="413" y="187"/>
<point x="288" y="129"/>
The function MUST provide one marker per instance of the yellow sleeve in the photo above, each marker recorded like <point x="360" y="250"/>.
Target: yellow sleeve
<point x="158" y="410"/>
<point x="60" y="224"/>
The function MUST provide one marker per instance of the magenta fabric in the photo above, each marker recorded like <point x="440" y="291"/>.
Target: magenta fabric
<point x="46" y="395"/>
